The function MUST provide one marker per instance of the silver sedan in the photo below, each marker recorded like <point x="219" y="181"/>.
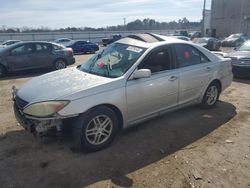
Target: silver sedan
<point x="132" y="80"/>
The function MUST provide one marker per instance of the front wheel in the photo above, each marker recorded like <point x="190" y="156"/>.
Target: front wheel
<point x="96" y="129"/>
<point x="211" y="95"/>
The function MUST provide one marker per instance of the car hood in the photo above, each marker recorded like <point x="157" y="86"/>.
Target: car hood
<point x="240" y="54"/>
<point x="59" y="84"/>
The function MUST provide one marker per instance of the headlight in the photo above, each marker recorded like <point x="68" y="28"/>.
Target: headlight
<point x="44" y="109"/>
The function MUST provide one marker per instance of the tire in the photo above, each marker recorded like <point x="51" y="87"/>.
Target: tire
<point x="2" y="71"/>
<point x="211" y="96"/>
<point x="96" y="129"/>
<point x="92" y="51"/>
<point x="59" y="64"/>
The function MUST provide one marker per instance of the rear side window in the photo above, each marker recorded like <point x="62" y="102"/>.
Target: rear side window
<point x="42" y="48"/>
<point x="187" y="55"/>
<point x="57" y="47"/>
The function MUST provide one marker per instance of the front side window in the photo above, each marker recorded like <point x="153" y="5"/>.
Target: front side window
<point x="23" y="49"/>
<point x="113" y="61"/>
<point x="187" y="55"/>
<point x="157" y="61"/>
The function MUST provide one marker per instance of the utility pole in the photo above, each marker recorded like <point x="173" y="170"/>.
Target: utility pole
<point x="124" y="23"/>
<point x="203" y="18"/>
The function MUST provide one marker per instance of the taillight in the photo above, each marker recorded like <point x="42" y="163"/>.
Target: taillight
<point x="70" y="51"/>
<point x="98" y="45"/>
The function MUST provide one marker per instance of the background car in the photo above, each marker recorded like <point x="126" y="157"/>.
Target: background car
<point x="181" y="33"/>
<point x="183" y="38"/>
<point x="111" y="39"/>
<point x="63" y="41"/>
<point x="32" y="55"/>
<point x="81" y="46"/>
<point x="234" y="40"/>
<point x="196" y="34"/>
<point x="9" y="42"/>
<point x="210" y="43"/>
<point x="241" y="60"/>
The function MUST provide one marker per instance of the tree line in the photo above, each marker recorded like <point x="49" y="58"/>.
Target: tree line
<point x="145" y="24"/>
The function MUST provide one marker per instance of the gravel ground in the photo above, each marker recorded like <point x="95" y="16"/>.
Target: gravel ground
<point x="186" y="148"/>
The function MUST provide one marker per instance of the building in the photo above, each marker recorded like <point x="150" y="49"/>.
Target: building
<point x="230" y="16"/>
<point x="207" y="22"/>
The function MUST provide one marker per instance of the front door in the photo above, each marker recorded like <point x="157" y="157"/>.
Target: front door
<point x="147" y="96"/>
<point x="20" y="57"/>
<point x="42" y="56"/>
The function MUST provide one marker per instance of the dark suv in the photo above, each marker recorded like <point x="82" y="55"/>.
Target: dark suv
<point x="112" y="39"/>
<point x="33" y="55"/>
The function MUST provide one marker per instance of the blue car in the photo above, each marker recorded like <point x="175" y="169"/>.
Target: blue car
<point x="83" y="47"/>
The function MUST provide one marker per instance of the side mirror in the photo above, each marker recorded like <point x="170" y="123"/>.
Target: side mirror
<point x="141" y="73"/>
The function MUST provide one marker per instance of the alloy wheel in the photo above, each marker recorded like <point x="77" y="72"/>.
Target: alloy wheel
<point x="99" y="129"/>
<point x="60" y="65"/>
<point x="211" y="95"/>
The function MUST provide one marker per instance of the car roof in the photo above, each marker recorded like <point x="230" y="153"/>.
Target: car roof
<point x="30" y="42"/>
<point x="164" y="40"/>
<point x="11" y="40"/>
<point x="147" y="40"/>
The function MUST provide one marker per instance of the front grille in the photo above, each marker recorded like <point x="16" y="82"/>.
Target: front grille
<point x="20" y="103"/>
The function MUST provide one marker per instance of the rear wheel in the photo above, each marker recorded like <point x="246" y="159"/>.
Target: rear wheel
<point x="2" y="71"/>
<point x="59" y="64"/>
<point x="211" y="95"/>
<point x="96" y="129"/>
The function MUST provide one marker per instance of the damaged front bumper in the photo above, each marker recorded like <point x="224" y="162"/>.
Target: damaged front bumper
<point x="36" y="125"/>
<point x="39" y="127"/>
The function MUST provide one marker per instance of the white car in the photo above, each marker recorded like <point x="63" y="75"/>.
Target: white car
<point x="64" y="41"/>
<point x="132" y="80"/>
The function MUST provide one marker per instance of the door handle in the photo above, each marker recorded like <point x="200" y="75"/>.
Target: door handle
<point x="173" y="78"/>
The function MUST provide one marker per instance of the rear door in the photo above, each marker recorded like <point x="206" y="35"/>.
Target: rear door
<point x="20" y="57"/>
<point x="85" y="47"/>
<point x="80" y="46"/>
<point x="42" y="56"/>
<point x="196" y="71"/>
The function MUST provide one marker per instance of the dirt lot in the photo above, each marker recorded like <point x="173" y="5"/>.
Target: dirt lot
<point x="186" y="148"/>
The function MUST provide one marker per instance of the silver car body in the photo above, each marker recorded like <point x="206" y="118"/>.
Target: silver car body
<point x="136" y="99"/>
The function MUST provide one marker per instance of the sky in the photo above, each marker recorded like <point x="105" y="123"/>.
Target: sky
<point x="94" y="13"/>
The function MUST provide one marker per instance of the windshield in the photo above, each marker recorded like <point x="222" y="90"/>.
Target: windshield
<point x="245" y="46"/>
<point x="113" y="61"/>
